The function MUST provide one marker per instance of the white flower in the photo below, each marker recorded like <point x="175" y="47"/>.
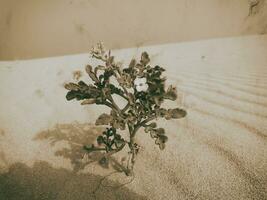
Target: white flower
<point x="140" y="84"/>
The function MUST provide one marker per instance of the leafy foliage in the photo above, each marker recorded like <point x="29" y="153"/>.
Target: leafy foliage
<point x="141" y="86"/>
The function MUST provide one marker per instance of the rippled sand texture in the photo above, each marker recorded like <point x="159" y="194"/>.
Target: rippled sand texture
<point x="219" y="151"/>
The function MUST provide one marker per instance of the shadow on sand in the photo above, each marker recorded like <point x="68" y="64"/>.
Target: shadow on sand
<point x="44" y="182"/>
<point x="3" y="159"/>
<point x="75" y="136"/>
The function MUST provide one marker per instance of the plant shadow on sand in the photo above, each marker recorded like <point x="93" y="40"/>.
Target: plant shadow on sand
<point x="3" y="158"/>
<point x="42" y="181"/>
<point x="75" y="136"/>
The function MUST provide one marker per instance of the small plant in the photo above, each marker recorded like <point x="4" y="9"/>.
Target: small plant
<point x="141" y="86"/>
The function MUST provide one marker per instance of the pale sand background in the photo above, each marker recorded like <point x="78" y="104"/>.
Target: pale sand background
<point x="44" y="28"/>
<point x="219" y="151"/>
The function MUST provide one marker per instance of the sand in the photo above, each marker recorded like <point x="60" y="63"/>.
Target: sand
<point x="38" y="29"/>
<point x="219" y="151"/>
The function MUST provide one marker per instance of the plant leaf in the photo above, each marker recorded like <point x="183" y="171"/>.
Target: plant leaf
<point x="177" y="113"/>
<point x="103" y="119"/>
<point x="71" y="95"/>
<point x="76" y="94"/>
<point x="153" y="125"/>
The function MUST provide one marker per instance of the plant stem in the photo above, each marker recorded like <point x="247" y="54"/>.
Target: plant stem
<point x="109" y="105"/>
<point x="125" y="108"/>
<point x="139" y="125"/>
<point x="114" y="104"/>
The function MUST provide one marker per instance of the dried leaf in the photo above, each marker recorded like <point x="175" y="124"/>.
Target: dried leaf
<point x="145" y="58"/>
<point x="89" y="70"/>
<point x="132" y="63"/>
<point x="88" y="101"/>
<point x="110" y="61"/>
<point x="72" y="86"/>
<point x="131" y="98"/>
<point x="99" y="67"/>
<point x="171" y="93"/>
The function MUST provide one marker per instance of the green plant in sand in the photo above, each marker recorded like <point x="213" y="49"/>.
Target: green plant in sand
<point x="141" y="86"/>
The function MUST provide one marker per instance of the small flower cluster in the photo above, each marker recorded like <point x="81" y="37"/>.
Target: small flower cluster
<point x="140" y="85"/>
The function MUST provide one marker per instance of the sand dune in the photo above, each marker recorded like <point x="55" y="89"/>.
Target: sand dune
<point x="219" y="151"/>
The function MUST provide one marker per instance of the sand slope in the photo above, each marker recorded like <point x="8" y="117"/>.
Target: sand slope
<point x="35" y="28"/>
<point x="219" y="151"/>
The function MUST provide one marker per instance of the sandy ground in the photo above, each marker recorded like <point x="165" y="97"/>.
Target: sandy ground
<point x="219" y="151"/>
